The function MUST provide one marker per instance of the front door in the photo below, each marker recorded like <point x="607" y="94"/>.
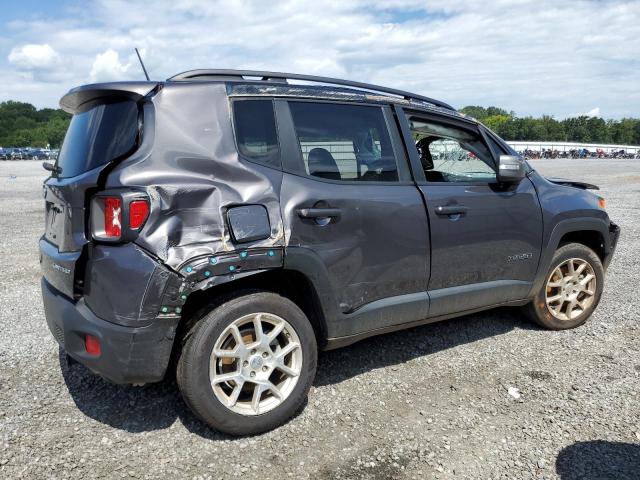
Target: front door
<point x="350" y="208"/>
<point x="485" y="238"/>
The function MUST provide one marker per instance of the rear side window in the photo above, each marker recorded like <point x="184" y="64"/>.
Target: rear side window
<point x="98" y="136"/>
<point x="344" y="142"/>
<point x="256" y="131"/>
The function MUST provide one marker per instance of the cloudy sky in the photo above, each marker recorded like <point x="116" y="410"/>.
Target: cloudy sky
<point x="543" y="56"/>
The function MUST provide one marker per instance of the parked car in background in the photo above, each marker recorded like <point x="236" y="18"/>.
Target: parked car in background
<point x="18" y="154"/>
<point x="40" y="154"/>
<point x="28" y="153"/>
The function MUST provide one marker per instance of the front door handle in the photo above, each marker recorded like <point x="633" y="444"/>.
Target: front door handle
<point x="319" y="212"/>
<point x="451" y="210"/>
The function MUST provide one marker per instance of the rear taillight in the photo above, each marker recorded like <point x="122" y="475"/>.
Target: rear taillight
<point x="92" y="345"/>
<point x="138" y="213"/>
<point x="112" y="217"/>
<point x="118" y="216"/>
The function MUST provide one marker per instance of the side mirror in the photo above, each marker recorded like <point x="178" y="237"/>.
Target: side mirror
<point x="511" y="169"/>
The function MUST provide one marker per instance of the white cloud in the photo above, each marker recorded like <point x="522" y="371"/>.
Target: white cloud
<point x="594" y="112"/>
<point x="34" y="57"/>
<point x="107" y="67"/>
<point x="533" y="57"/>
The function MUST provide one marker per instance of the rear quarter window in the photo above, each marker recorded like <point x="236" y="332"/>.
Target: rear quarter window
<point x="256" y="133"/>
<point x="97" y="136"/>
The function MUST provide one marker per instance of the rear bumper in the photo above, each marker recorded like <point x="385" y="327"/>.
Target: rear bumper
<point x="128" y="354"/>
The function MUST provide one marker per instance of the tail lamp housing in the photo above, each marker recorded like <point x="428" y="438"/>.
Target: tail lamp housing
<point x="118" y="216"/>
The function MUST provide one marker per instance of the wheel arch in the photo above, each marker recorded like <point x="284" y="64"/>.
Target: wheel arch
<point x="593" y="239"/>
<point x="591" y="232"/>
<point x="290" y="284"/>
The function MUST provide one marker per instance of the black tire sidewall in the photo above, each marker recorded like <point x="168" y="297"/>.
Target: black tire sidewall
<point x="541" y="312"/>
<point x="193" y="368"/>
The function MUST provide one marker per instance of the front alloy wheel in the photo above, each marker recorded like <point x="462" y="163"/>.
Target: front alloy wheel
<point x="571" y="290"/>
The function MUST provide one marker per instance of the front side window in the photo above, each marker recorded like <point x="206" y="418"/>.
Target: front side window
<point x="344" y="142"/>
<point x="451" y="154"/>
<point x="256" y="132"/>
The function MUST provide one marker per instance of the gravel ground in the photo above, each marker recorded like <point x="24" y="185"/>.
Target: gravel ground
<point x="430" y="402"/>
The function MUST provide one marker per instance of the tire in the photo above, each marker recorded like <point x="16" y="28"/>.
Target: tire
<point x="213" y="403"/>
<point x="550" y="305"/>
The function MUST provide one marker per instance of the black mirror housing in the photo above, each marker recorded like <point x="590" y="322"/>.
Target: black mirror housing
<point x="511" y="169"/>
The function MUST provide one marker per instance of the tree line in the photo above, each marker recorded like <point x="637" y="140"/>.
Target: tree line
<point x="582" y="129"/>
<point x="22" y="125"/>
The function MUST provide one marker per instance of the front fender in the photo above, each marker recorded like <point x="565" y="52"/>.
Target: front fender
<point x="608" y="230"/>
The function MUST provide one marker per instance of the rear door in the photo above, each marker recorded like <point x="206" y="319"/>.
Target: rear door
<point x="350" y="207"/>
<point x="485" y="237"/>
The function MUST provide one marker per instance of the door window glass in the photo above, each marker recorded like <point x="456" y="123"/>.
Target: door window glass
<point x="451" y="154"/>
<point x="344" y="142"/>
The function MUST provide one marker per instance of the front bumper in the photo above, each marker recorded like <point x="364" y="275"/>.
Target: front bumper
<point x="128" y="354"/>
<point x="614" y="234"/>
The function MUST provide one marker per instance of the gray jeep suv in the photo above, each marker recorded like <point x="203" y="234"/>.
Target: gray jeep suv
<point x="230" y="223"/>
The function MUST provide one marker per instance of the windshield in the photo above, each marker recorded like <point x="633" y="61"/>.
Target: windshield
<point x="97" y="136"/>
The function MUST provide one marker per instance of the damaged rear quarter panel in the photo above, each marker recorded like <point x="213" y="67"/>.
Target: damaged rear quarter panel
<point x="193" y="173"/>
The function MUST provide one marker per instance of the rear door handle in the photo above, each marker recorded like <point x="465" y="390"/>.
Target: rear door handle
<point x="451" y="210"/>
<point x="319" y="212"/>
<point x="321" y="216"/>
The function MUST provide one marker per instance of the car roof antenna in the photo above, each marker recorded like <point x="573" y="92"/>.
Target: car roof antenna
<point x="142" y="63"/>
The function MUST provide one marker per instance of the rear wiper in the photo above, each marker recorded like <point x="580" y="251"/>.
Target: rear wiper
<point x="52" y="167"/>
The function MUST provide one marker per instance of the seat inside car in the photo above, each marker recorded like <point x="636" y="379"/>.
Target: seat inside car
<point x="322" y="164"/>
<point x="426" y="159"/>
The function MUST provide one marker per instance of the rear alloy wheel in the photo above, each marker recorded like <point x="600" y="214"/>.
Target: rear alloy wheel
<point x="255" y="363"/>
<point x="572" y="289"/>
<point x="247" y="366"/>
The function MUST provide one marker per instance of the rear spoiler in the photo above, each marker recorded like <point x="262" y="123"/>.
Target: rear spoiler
<point x="82" y="98"/>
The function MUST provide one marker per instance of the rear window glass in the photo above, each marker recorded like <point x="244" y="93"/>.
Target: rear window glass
<point x="256" y="131"/>
<point x="97" y="136"/>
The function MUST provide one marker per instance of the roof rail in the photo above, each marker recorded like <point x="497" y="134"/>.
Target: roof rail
<point x="239" y="75"/>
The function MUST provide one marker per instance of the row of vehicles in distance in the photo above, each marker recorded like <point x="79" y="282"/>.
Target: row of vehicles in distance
<point x="28" y="153"/>
<point x="578" y="153"/>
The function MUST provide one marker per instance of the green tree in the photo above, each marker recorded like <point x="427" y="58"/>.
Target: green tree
<point x="22" y="125"/>
<point x="581" y="129"/>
